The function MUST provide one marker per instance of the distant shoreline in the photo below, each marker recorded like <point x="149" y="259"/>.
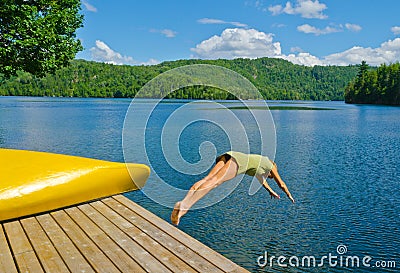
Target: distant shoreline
<point x="275" y="79"/>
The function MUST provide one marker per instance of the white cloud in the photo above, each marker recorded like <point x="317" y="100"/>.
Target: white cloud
<point x="166" y="32"/>
<point x="103" y="53"/>
<point x="248" y="43"/>
<point x="276" y="10"/>
<point x="353" y="27"/>
<point x="306" y="28"/>
<point x="296" y="49"/>
<point x="306" y="8"/>
<point x="303" y="58"/>
<point x="391" y="45"/>
<point x="89" y="7"/>
<point x="395" y="30"/>
<point x="355" y="55"/>
<point x="388" y="52"/>
<point x="238" y="43"/>
<point x="151" y="61"/>
<point x="258" y="4"/>
<point x="278" y="25"/>
<point x="218" y="21"/>
<point x="210" y="21"/>
<point x="251" y="43"/>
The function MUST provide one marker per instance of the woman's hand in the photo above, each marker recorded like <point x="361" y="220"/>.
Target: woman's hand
<point x="273" y="194"/>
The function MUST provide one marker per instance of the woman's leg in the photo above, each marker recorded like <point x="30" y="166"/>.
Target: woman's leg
<point x="218" y="166"/>
<point x="220" y="173"/>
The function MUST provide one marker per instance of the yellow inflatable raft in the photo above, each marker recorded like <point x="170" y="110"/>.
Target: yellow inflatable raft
<point x="35" y="182"/>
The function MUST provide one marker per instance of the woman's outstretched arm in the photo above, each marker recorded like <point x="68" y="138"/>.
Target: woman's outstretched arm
<point x="275" y="175"/>
<point x="264" y="182"/>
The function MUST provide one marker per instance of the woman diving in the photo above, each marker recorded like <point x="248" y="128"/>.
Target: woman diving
<point x="228" y="166"/>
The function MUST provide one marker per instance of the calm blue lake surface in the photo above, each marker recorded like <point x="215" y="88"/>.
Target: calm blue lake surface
<point x="342" y="167"/>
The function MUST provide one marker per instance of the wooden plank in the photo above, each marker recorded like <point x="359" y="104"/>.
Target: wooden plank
<point x="23" y="252"/>
<point x="122" y="260"/>
<point x="133" y="248"/>
<point x="168" y="258"/>
<point x="48" y="256"/>
<point x="97" y="259"/>
<point x="69" y="253"/>
<point x="211" y="255"/>
<point x="183" y="252"/>
<point x="6" y="260"/>
<point x="111" y="235"/>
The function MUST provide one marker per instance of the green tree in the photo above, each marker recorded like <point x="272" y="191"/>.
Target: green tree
<point x="275" y="79"/>
<point x="38" y="36"/>
<point x="363" y="69"/>
<point x="375" y="86"/>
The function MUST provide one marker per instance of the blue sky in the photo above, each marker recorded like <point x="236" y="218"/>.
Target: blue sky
<point x="308" y="32"/>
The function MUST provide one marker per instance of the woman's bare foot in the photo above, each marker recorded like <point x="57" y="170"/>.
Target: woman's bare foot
<point x="177" y="213"/>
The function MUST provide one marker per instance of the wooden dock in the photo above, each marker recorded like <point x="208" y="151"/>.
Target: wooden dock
<point x="110" y="235"/>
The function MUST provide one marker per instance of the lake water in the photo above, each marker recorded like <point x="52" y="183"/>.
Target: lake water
<point x="342" y="167"/>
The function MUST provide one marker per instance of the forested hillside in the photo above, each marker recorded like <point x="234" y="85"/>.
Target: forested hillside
<point x="375" y="86"/>
<point x="275" y="78"/>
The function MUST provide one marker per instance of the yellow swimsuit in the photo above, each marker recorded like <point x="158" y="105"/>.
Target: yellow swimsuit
<point x="250" y="164"/>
